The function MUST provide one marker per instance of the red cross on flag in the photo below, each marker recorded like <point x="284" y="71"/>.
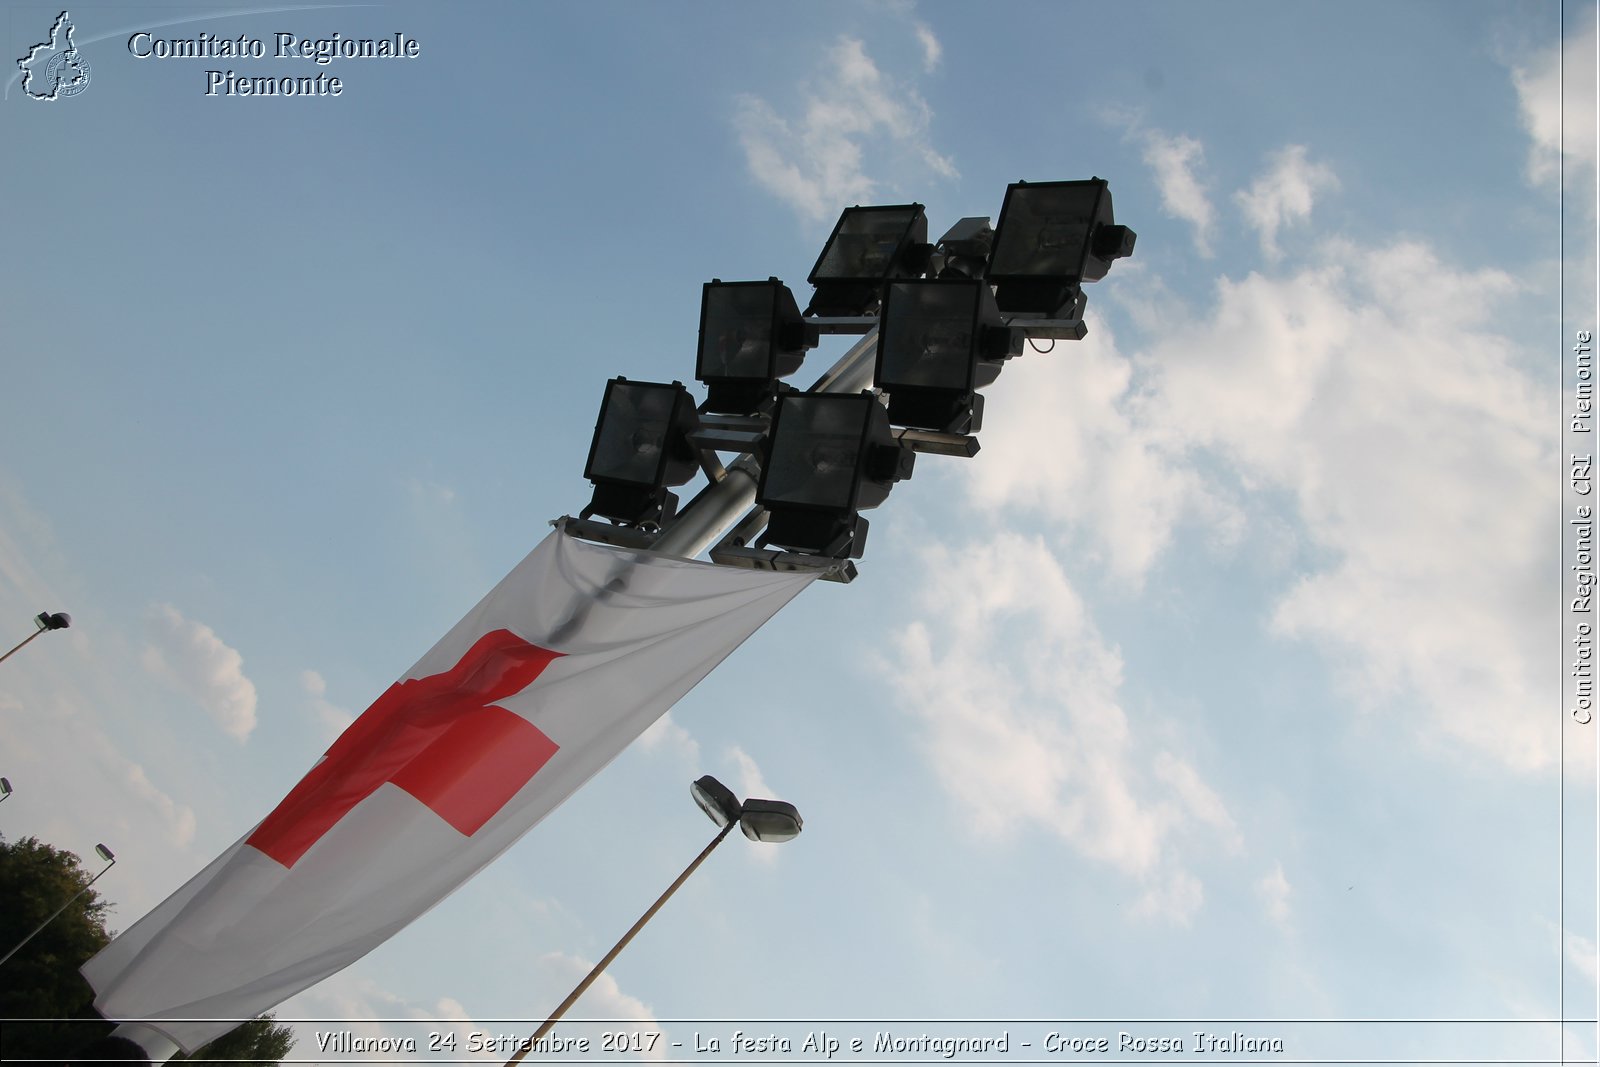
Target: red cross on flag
<point x="565" y="662"/>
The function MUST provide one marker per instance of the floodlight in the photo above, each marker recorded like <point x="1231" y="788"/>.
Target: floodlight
<point x="58" y="620"/>
<point x="715" y="799"/>
<point x="770" y="820"/>
<point x="869" y="246"/>
<point x="5" y="788"/>
<point x="829" y="456"/>
<point x="104" y="853"/>
<point x="1051" y="238"/>
<point x="939" y="340"/>
<point x="640" y="446"/>
<point x="751" y="334"/>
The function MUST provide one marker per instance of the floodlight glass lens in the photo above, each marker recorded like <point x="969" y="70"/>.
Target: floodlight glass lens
<point x="633" y="437"/>
<point x="737" y="342"/>
<point x="816" y="452"/>
<point x="1045" y="230"/>
<point x="865" y="246"/>
<point x="928" y="336"/>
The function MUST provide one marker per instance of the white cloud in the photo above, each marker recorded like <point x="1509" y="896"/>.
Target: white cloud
<point x="429" y="494"/>
<point x="817" y="162"/>
<point x="1274" y="890"/>
<point x="604" y="1000"/>
<point x="331" y="719"/>
<point x="178" y="818"/>
<point x="751" y="781"/>
<point x="1198" y="798"/>
<point x="105" y="788"/>
<point x="1177" y="898"/>
<point x="1380" y="399"/>
<point x="666" y="734"/>
<point x="191" y="656"/>
<point x="349" y="1003"/>
<point x="1581" y="953"/>
<point x="1367" y="389"/>
<point x="932" y="51"/>
<point x="1543" y="101"/>
<point x="1284" y="195"/>
<point x="1174" y="160"/>
<point x="1104" y="477"/>
<point x="1015" y="694"/>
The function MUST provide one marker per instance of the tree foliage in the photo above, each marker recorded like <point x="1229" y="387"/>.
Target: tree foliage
<point x="46" y="1005"/>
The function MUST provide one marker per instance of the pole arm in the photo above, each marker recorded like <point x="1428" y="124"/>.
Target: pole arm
<point x="561" y="1009"/>
<point x="24" y="641"/>
<point x="18" y="946"/>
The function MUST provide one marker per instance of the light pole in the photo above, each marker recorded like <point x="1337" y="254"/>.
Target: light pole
<point x="111" y="861"/>
<point x="761" y="820"/>
<point x="45" y="620"/>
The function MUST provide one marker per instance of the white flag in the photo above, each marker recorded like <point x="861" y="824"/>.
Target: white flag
<point x="565" y="662"/>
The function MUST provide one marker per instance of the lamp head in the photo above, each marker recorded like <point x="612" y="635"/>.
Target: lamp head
<point x="715" y="799"/>
<point x="770" y="820"/>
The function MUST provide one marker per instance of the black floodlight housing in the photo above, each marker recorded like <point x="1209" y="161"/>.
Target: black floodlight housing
<point x="52" y="620"/>
<point x="715" y="799"/>
<point x="1052" y="237"/>
<point x="770" y="820"/>
<point x="829" y="456"/>
<point x="939" y="341"/>
<point x="869" y="246"/>
<point x="641" y="445"/>
<point x="751" y="334"/>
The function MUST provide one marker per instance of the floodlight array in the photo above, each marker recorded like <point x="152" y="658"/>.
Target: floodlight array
<point x="947" y="316"/>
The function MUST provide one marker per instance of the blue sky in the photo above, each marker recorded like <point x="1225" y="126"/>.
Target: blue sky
<point x="1225" y="683"/>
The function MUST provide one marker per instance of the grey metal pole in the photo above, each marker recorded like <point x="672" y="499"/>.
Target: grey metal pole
<point x="721" y="506"/>
<point x="588" y="980"/>
<point x="38" y="929"/>
<point x="18" y="648"/>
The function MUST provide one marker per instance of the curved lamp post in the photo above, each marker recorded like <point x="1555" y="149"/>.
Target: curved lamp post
<point x="111" y="861"/>
<point x="761" y="820"/>
<point x="45" y="620"/>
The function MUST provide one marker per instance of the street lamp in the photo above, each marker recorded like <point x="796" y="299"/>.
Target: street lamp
<point x="111" y="861"/>
<point x="761" y="820"/>
<point x="5" y="789"/>
<point x="57" y="620"/>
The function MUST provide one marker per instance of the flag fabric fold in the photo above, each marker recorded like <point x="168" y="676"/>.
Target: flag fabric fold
<point x="573" y="655"/>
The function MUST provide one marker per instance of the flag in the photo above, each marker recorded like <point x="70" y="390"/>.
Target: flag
<point x="567" y="660"/>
